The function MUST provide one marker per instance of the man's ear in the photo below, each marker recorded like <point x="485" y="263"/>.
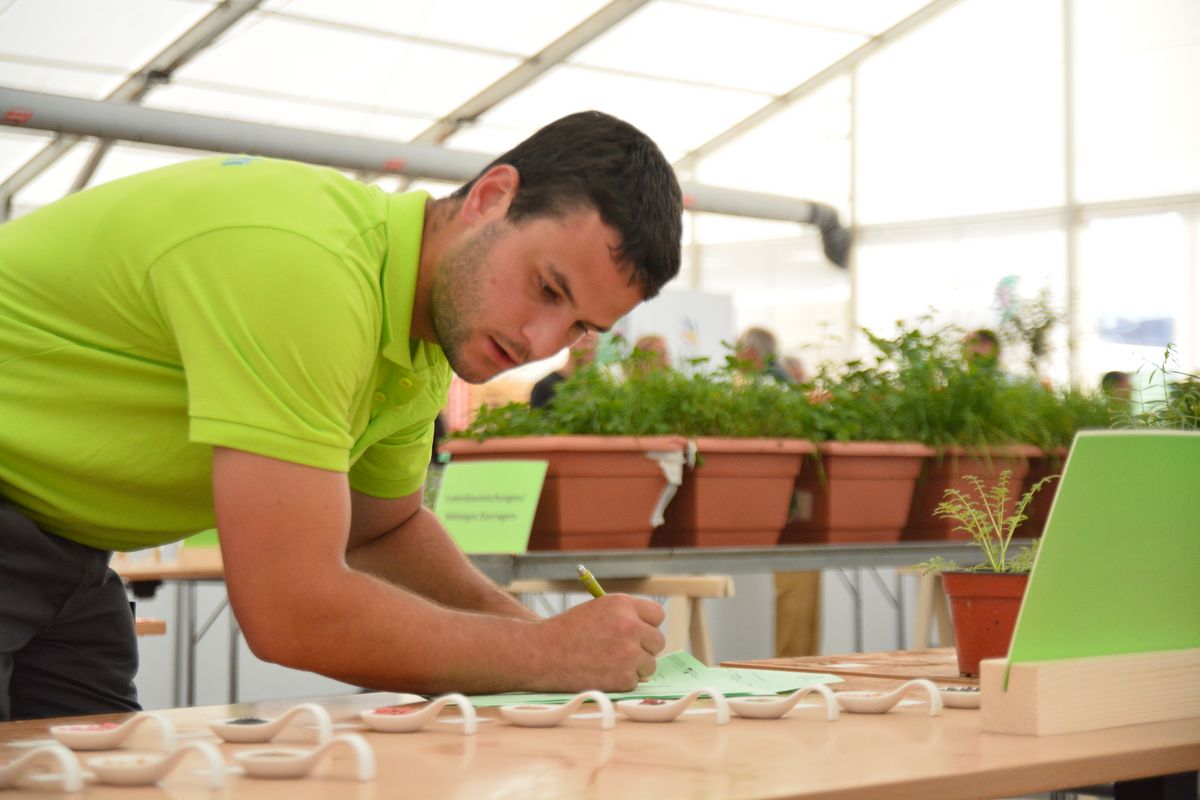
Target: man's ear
<point x="491" y="194"/>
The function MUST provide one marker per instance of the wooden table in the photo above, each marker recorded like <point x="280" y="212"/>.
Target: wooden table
<point x="903" y="754"/>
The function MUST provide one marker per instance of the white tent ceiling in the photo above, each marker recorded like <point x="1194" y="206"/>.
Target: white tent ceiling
<point x="475" y="75"/>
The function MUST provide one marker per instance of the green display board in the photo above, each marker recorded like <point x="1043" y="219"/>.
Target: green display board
<point x="488" y="506"/>
<point x="1119" y="566"/>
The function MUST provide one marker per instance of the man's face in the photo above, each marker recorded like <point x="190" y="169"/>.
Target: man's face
<point x="505" y="295"/>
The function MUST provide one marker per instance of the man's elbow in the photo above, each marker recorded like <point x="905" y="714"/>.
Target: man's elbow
<point x="281" y="636"/>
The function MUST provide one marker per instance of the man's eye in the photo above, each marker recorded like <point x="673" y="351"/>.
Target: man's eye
<point x="547" y="290"/>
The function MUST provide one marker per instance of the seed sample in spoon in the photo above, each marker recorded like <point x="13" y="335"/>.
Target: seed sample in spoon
<point x="775" y="707"/>
<point x="655" y="710"/>
<point x="131" y="769"/>
<point x="960" y="696"/>
<point x="289" y="762"/>
<point x="252" y="729"/>
<point x="881" y="702"/>
<point x="71" y="775"/>
<point x="547" y="716"/>
<point x="411" y="717"/>
<point x="110" y="735"/>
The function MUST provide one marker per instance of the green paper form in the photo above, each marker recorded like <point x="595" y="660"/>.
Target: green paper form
<point x="488" y="506"/>
<point x="1119" y="565"/>
<point x="678" y="674"/>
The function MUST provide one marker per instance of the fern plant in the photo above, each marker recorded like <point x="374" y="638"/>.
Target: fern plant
<point x="984" y="516"/>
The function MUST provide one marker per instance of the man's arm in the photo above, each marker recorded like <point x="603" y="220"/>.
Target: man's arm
<point x="284" y="536"/>
<point x="403" y="543"/>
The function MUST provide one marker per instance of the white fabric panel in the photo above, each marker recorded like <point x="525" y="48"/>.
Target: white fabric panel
<point x="1138" y="98"/>
<point x="326" y="64"/>
<point x="720" y="48"/>
<point x="965" y="115"/>
<point x="514" y="26"/>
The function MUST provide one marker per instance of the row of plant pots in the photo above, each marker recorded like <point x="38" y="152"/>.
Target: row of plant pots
<point x="627" y="492"/>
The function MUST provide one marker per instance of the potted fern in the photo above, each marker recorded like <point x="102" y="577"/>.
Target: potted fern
<point x="985" y="598"/>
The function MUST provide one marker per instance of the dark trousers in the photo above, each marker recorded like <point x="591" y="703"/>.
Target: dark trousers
<point x="67" y="640"/>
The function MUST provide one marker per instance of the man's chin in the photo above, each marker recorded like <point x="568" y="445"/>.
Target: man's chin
<point x="475" y="374"/>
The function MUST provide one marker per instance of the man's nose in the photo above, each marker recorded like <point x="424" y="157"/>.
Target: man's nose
<point x="548" y="335"/>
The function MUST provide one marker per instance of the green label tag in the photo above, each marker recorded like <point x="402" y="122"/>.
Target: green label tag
<point x="488" y="506"/>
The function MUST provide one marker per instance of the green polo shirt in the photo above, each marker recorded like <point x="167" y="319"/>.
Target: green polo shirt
<point x="248" y="303"/>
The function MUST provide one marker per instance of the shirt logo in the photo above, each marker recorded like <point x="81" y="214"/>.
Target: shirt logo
<point x="239" y="161"/>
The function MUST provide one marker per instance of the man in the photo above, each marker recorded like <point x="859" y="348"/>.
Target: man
<point x="981" y="349"/>
<point x="758" y="348"/>
<point x="580" y="354"/>
<point x="265" y="345"/>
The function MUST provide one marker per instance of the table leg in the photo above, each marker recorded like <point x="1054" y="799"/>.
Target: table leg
<point x="180" y="646"/>
<point x="234" y="640"/>
<point x="191" y="644"/>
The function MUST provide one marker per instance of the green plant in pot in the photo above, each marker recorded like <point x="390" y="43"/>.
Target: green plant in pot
<point x="970" y="412"/>
<point x="859" y="485"/>
<point x="985" y="598"/>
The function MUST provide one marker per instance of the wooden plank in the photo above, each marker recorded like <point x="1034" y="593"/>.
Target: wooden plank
<point x="150" y="626"/>
<point x="936" y="663"/>
<point x="665" y="585"/>
<point x="1084" y="694"/>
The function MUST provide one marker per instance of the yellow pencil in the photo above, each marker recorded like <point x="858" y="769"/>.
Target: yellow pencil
<point x="589" y="580"/>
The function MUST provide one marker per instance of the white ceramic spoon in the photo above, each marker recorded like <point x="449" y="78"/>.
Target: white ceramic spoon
<point x="774" y="707"/>
<point x="960" y="696"/>
<point x="547" y="716"/>
<point x="414" y="716"/>
<point x="129" y="769"/>
<point x="651" y="710"/>
<point x="71" y="775"/>
<point x="880" y="702"/>
<point x="289" y="762"/>
<point x="109" y="735"/>
<point x="258" y="731"/>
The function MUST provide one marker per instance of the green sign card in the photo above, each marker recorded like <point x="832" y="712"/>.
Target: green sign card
<point x="488" y="506"/>
<point x="1119" y="566"/>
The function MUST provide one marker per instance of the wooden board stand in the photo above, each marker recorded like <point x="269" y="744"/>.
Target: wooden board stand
<point x="1083" y="694"/>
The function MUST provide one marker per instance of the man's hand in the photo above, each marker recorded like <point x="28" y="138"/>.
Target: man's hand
<point x="608" y="643"/>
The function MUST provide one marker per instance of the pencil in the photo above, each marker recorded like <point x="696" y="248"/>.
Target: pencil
<point x="589" y="581"/>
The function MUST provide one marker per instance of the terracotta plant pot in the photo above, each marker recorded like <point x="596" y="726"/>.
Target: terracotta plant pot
<point x="855" y="492"/>
<point x="737" y="495"/>
<point x="947" y="472"/>
<point x="1038" y="510"/>
<point x="984" y="607"/>
<point x="600" y="492"/>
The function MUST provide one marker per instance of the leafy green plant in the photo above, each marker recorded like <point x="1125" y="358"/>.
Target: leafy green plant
<point x="916" y="386"/>
<point x="984" y="517"/>
<point x="629" y="400"/>
<point x="1030" y="324"/>
<point x="1179" y="405"/>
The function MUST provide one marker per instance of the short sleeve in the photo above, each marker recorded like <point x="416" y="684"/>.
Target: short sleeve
<point x="276" y="335"/>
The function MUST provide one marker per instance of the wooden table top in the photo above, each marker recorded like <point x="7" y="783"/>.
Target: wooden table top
<point x="902" y="754"/>
<point x="191" y="563"/>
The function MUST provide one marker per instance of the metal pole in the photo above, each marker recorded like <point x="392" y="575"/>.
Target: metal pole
<point x="190" y="698"/>
<point x="1071" y="216"/>
<point x="108" y="120"/>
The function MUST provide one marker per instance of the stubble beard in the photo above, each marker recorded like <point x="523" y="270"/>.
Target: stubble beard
<point x="457" y="301"/>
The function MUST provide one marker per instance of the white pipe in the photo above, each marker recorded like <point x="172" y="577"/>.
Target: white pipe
<point x="107" y="120"/>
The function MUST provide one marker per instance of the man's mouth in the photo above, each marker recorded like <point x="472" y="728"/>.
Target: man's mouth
<point x="501" y="355"/>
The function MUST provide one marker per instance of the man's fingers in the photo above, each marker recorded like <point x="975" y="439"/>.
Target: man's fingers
<point x="646" y="667"/>
<point x="650" y="612"/>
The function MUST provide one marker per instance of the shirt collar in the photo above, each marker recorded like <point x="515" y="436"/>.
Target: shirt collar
<point x="406" y="219"/>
